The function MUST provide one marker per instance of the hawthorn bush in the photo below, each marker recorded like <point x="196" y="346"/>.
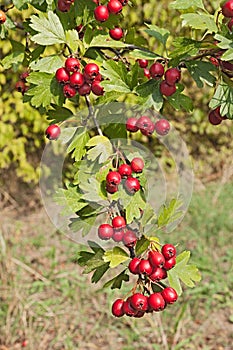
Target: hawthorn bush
<point x="80" y="52"/>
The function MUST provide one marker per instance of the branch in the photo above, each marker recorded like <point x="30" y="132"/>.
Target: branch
<point x="92" y="115"/>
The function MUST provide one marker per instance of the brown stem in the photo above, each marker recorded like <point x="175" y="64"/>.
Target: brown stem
<point x="92" y="115"/>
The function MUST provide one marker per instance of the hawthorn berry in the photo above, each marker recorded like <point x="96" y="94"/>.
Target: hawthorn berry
<point x="133" y="266"/>
<point x="214" y="119"/>
<point x="20" y="86"/>
<point x="116" y="33"/>
<point x="145" y="267"/>
<point x="114" y="6"/>
<point x="96" y="88"/>
<point x="131" y="124"/>
<point x="128" y="309"/>
<point x="101" y="13"/>
<point x="158" y="274"/>
<point x="118" y="235"/>
<point x="169" y="295"/>
<point x="23" y="76"/>
<point x="117" y="308"/>
<point x="156" y="259"/>
<point x="69" y="91"/>
<point x="172" y="76"/>
<point x="166" y="89"/>
<point x="156" y="302"/>
<point x="139" y="302"/>
<point x="227" y="9"/>
<point x="76" y="80"/>
<point x="137" y="165"/>
<point x="170" y="263"/>
<point x="145" y="125"/>
<point x="72" y="64"/>
<point x="105" y="231"/>
<point x="2" y="17"/>
<point x="84" y="90"/>
<point x="63" y="6"/>
<point x="113" y="178"/>
<point x="132" y="185"/>
<point x="62" y="75"/>
<point x="111" y="188"/>
<point x="168" y="251"/>
<point x="125" y="170"/>
<point x="156" y="70"/>
<point x="162" y="127"/>
<point x="129" y="238"/>
<point x="52" y="132"/>
<point x="91" y="70"/>
<point x="143" y="63"/>
<point x="230" y="24"/>
<point x="118" y="222"/>
<point x="146" y="73"/>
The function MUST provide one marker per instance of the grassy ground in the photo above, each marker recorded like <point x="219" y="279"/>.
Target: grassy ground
<point x="45" y="299"/>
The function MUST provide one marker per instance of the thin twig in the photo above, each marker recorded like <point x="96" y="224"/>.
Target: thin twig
<point x="92" y="115"/>
<point x="30" y="270"/>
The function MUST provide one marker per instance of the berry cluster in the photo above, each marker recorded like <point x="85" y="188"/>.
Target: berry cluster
<point x="64" y="5"/>
<point x="124" y="171"/>
<point x="156" y="71"/>
<point x="2" y="17"/>
<point x="21" y="84"/>
<point x="215" y="117"/>
<point x="147" y="127"/>
<point x="227" y="11"/>
<point x="118" y="231"/>
<point x="74" y="81"/>
<point x="138" y="304"/>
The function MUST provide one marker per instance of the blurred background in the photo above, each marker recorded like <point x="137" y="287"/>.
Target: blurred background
<point x="45" y="301"/>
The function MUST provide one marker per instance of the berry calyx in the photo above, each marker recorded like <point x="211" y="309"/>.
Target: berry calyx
<point x="101" y="13"/>
<point x="143" y="63"/>
<point x="118" y="222"/>
<point x="125" y="170"/>
<point x="129" y="239"/>
<point x="132" y="185"/>
<point x="2" y="17"/>
<point x="117" y="308"/>
<point x="69" y="91"/>
<point x="137" y="165"/>
<point x="114" y="6"/>
<point x="172" y="76"/>
<point x="156" y="259"/>
<point x="133" y="266"/>
<point x="145" y="267"/>
<point x="170" y="263"/>
<point x="168" y="251"/>
<point x="156" y="302"/>
<point x="52" y="132"/>
<point x="227" y="9"/>
<point x="139" y="302"/>
<point x="113" y="178"/>
<point x="131" y="124"/>
<point x="76" y="80"/>
<point x="166" y="89"/>
<point x="72" y="64"/>
<point x="156" y="70"/>
<point x="116" y="33"/>
<point x="162" y="127"/>
<point x="91" y="70"/>
<point x="105" y="231"/>
<point x="169" y="295"/>
<point x="62" y="76"/>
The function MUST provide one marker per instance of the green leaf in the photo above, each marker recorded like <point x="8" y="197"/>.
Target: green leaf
<point x="47" y="64"/>
<point x="102" y="150"/>
<point x="115" y="257"/>
<point x="70" y="198"/>
<point x="184" y="47"/>
<point x="117" y="281"/>
<point x="16" y="57"/>
<point x="132" y="205"/>
<point x="72" y="40"/>
<point x="188" y="274"/>
<point x="59" y="113"/>
<point x="223" y="97"/>
<point x="225" y="44"/>
<point x="143" y="53"/>
<point x="186" y="4"/>
<point x="83" y="225"/>
<point x="149" y="216"/>
<point x="105" y="41"/>
<point x="92" y="191"/>
<point x="21" y="4"/>
<point x="78" y="145"/>
<point x="109" y="96"/>
<point x="180" y="101"/>
<point x="169" y="213"/>
<point x="49" y="28"/>
<point x="200" y="21"/>
<point x="200" y="71"/>
<point x="228" y="55"/>
<point x="150" y="92"/>
<point x="142" y="245"/>
<point x="160" y="34"/>
<point x="99" y="272"/>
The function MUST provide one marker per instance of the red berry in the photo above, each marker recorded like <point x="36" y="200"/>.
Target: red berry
<point x="139" y="302"/>
<point x="168" y="251"/>
<point x="20" y="86"/>
<point x="129" y="238"/>
<point x="76" y="80"/>
<point x="84" y="90"/>
<point x="53" y="132"/>
<point x="62" y="76"/>
<point x="111" y="188"/>
<point x="105" y="231"/>
<point x="97" y="89"/>
<point x="117" y="308"/>
<point x="2" y="17"/>
<point x="63" y="6"/>
<point x="145" y="125"/>
<point x="113" y="178"/>
<point x="131" y="124"/>
<point x="162" y="127"/>
<point x="133" y="266"/>
<point x="98" y="77"/>
<point x="167" y="90"/>
<point x="72" y="64"/>
<point x="116" y="33"/>
<point x="91" y="70"/>
<point x="172" y="76"/>
<point x="101" y="13"/>
<point x="118" y="222"/>
<point x="24" y="343"/>
<point x="118" y="235"/>
<point x="169" y="295"/>
<point x="114" y="6"/>
<point x="145" y="267"/>
<point x="143" y="63"/>
<point x="127" y="308"/>
<point x="156" y="302"/>
<point x="156" y="258"/>
<point x="156" y="70"/>
<point x="158" y="274"/>
<point x="230" y="24"/>
<point x="227" y="9"/>
<point x="137" y="165"/>
<point x="214" y="61"/>
<point x="214" y="119"/>
<point x="132" y="185"/>
<point x="147" y="73"/>
<point x="124" y="170"/>
<point x="69" y="91"/>
<point x="24" y="76"/>
<point x="217" y="113"/>
<point x="170" y="263"/>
